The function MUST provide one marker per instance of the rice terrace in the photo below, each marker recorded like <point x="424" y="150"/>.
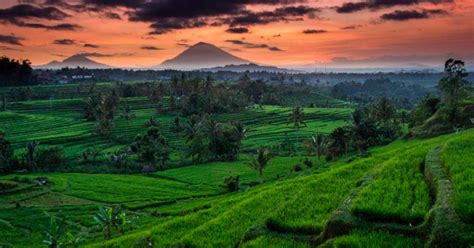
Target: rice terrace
<point x="196" y="123"/>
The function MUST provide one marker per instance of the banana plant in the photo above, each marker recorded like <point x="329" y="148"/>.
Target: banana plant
<point x="109" y="218"/>
<point x="54" y="232"/>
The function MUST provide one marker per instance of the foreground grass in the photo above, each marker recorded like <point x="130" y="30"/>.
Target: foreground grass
<point x="179" y="208"/>
<point x="363" y="239"/>
<point x="458" y="158"/>
<point x="399" y="192"/>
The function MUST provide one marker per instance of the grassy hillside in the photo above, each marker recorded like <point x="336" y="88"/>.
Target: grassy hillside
<point x="394" y="197"/>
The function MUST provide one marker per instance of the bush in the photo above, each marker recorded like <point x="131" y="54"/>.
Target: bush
<point x="232" y="183"/>
<point x="308" y="163"/>
<point x="50" y="158"/>
<point x="297" y="167"/>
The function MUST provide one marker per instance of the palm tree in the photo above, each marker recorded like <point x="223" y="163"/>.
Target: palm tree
<point x="239" y="130"/>
<point x="127" y="115"/>
<point x="260" y="161"/>
<point x="319" y="142"/>
<point x="153" y="122"/>
<point x="30" y="154"/>
<point x="297" y="117"/>
<point x="191" y="128"/>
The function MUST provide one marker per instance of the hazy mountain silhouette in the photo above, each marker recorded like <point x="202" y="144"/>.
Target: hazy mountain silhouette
<point x="78" y="60"/>
<point x="202" y="55"/>
<point x="251" y="68"/>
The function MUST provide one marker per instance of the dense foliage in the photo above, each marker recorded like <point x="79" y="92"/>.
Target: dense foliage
<point x="15" y="72"/>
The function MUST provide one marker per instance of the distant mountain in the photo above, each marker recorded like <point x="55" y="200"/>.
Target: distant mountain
<point x="78" y="60"/>
<point x="251" y="67"/>
<point x="202" y="55"/>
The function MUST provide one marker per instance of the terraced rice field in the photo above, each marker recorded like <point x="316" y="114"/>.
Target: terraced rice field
<point x="60" y="122"/>
<point x="398" y="192"/>
<point x="387" y="199"/>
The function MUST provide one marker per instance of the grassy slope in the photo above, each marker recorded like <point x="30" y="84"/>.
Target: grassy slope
<point x="458" y="158"/>
<point x="298" y="203"/>
<point x="399" y="192"/>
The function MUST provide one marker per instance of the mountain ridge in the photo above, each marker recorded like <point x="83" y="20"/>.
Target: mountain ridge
<point x="77" y="60"/>
<point x="202" y="55"/>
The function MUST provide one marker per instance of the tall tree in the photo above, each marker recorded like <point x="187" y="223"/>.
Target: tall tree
<point x="341" y="139"/>
<point x="4" y="102"/>
<point x="319" y="141"/>
<point x="383" y="110"/>
<point x="15" y="72"/>
<point x="454" y="86"/>
<point x="6" y="152"/>
<point x="260" y="161"/>
<point x="296" y="117"/>
<point x="127" y="115"/>
<point x="153" y="122"/>
<point x="31" y="154"/>
<point x="152" y="148"/>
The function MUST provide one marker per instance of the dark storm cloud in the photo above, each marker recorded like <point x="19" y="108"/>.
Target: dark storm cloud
<point x="63" y="26"/>
<point x="151" y="48"/>
<point x="64" y="42"/>
<point x="351" y="7"/>
<point x="183" y="44"/>
<point x="314" y="31"/>
<point x="404" y="15"/>
<point x="351" y="27"/>
<point x="26" y="11"/>
<point x="237" y="30"/>
<point x="11" y="40"/>
<point x="168" y="15"/>
<point x="283" y="14"/>
<point x="17" y="15"/>
<point x="253" y="45"/>
<point x="59" y="55"/>
<point x="5" y="48"/>
<point x="88" y="45"/>
<point x="112" y="15"/>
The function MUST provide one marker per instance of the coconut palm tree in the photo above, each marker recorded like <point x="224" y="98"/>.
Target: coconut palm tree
<point x="319" y="141"/>
<point x="30" y="154"/>
<point x="260" y="161"/>
<point x="127" y="115"/>
<point x="296" y="117"/>
<point x="153" y="122"/>
<point x="191" y="128"/>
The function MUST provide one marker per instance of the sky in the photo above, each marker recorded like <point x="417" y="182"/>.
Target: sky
<point x="290" y="33"/>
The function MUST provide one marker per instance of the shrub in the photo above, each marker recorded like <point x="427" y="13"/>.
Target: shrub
<point x="148" y="169"/>
<point x="308" y="163"/>
<point x="297" y="167"/>
<point x="232" y="183"/>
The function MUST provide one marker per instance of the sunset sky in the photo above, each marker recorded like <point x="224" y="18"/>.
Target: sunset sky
<point x="142" y="33"/>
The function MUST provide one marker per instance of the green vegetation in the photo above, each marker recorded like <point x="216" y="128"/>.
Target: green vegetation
<point x="398" y="193"/>
<point x="362" y="239"/>
<point x="457" y="159"/>
<point x="236" y="169"/>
